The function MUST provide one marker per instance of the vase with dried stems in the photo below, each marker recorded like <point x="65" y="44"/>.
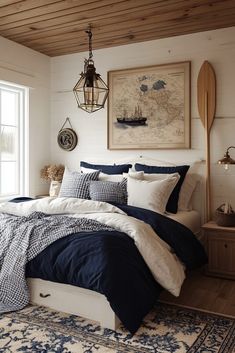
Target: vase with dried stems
<point x="54" y="174"/>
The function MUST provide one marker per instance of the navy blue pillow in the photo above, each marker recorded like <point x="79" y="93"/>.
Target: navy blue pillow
<point x="108" y="169"/>
<point x="172" y="204"/>
<point x="21" y="199"/>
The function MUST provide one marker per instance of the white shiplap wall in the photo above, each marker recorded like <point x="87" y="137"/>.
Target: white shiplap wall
<point x="218" y="47"/>
<point x="27" y="67"/>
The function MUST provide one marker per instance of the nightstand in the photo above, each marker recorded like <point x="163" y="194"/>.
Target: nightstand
<point x="221" y="250"/>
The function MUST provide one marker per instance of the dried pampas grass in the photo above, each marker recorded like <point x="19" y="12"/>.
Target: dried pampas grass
<point x="52" y="172"/>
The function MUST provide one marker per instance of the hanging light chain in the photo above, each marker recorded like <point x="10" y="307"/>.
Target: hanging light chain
<point x="90" y="42"/>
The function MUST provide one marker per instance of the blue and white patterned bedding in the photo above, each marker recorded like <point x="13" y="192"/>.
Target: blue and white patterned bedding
<point x="22" y="239"/>
<point x="109" y="262"/>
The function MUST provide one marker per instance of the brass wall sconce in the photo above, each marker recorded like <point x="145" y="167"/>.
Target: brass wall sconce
<point x="226" y="160"/>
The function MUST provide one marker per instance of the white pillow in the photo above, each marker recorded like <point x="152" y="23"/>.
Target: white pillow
<point x="152" y="195"/>
<point x="111" y="177"/>
<point x="87" y="170"/>
<point x="136" y="175"/>
<point x="156" y="176"/>
<point x="186" y="192"/>
<point x="102" y="176"/>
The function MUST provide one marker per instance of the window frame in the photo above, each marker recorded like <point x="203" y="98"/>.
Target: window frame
<point x="22" y="139"/>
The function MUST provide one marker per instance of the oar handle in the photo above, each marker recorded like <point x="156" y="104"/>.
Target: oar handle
<point x="207" y="142"/>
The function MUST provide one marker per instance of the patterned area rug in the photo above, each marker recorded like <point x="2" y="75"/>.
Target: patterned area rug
<point x="166" y="329"/>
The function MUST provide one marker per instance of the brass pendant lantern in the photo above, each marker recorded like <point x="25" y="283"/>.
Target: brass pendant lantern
<point x="90" y="91"/>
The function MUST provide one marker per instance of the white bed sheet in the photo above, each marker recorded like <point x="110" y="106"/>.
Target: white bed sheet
<point x="191" y="219"/>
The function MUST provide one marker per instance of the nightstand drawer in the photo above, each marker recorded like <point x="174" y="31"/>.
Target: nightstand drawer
<point x="221" y="254"/>
<point x="221" y="250"/>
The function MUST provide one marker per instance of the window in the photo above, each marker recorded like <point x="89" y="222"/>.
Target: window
<point x="13" y="121"/>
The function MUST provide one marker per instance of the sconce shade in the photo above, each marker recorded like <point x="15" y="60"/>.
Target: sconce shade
<point x="227" y="159"/>
<point x="90" y="91"/>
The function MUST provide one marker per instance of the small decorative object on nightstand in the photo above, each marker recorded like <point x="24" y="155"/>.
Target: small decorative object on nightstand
<point x="225" y="216"/>
<point x="221" y="250"/>
<point x="54" y="174"/>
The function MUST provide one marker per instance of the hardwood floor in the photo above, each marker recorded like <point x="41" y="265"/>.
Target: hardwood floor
<point x="202" y="292"/>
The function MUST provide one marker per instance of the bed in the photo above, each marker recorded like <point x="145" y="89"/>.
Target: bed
<point x="126" y="288"/>
<point x="190" y="219"/>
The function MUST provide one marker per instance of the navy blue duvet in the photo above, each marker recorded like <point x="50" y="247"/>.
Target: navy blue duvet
<point x="110" y="263"/>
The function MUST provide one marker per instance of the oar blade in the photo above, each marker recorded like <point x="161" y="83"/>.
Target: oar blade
<point x="206" y="94"/>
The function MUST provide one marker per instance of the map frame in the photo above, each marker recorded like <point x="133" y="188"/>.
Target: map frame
<point x="150" y="107"/>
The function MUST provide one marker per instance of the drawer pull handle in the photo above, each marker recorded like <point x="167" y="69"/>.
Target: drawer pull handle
<point x="44" y="295"/>
<point x="225" y="245"/>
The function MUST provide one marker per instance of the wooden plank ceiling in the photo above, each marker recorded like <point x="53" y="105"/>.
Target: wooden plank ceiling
<point x="57" y="27"/>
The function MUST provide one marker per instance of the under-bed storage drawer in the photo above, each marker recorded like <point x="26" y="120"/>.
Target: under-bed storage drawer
<point x="72" y="300"/>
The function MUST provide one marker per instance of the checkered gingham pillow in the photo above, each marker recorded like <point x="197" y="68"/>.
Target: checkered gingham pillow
<point x="109" y="191"/>
<point x="75" y="184"/>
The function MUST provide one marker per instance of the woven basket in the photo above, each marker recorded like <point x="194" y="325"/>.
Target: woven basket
<point x="224" y="219"/>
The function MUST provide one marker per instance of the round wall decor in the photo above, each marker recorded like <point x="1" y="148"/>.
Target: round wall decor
<point x="67" y="138"/>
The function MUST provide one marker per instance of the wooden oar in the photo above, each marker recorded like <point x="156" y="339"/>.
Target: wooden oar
<point x="206" y="97"/>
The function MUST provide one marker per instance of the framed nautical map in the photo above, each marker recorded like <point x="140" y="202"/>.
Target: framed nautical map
<point x="149" y="107"/>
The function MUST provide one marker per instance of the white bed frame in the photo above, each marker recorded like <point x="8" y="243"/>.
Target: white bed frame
<point x="73" y="300"/>
<point x="87" y="303"/>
